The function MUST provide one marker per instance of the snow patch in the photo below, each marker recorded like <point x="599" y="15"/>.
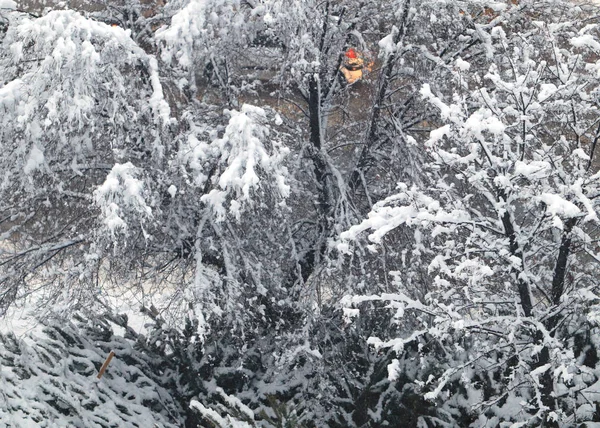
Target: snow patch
<point x="462" y="65"/>
<point x="159" y="105"/>
<point x="121" y="194"/>
<point x="586" y="40"/>
<point x="533" y="169"/>
<point x="387" y="46"/>
<point x="8" y="4"/>
<point x="35" y="160"/>
<point x="557" y="206"/>
<point x="394" y="370"/>
<point x="546" y="91"/>
<point x="350" y="314"/>
<point x="437" y="135"/>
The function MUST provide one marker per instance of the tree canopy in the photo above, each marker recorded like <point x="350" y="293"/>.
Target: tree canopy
<point x="416" y="248"/>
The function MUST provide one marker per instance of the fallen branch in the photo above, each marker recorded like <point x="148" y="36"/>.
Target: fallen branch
<point x="106" y="363"/>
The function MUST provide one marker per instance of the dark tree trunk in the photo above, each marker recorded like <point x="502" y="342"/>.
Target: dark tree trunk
<point x="322" y="173"/>
<point x="558" y="288"/>
<point x="546" y="382"/>
<point x="560" y="270"/>
<point x="522" y="285"/>
<point x="314" y="112"/>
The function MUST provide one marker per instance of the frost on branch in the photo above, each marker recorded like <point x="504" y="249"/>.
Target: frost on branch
<point x="251" y="163"/>
<point x="181" y="36"/>
<point x="73" y="94"/>
<point x="120" y="196"/>
<point x="502" y="236"/>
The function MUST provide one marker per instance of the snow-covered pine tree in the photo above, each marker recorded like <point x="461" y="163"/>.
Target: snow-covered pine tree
<point x="48" y="377"/>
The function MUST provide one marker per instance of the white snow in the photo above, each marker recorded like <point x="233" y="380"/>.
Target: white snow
<point x="437" y="135"/>
<point x="387" y="45"/>
<point x="383" y="218"/>
<point x="496" y="6"/>
<point x="52" y="368"/>
<point x="586" y="40"/>
<point x="10" y="95"/>
<point x="483" y="120"/>
<point x="349" y="314"/>
<point x="577" y="189"/>
<point x="546" y="91"/>
<point x="445" y="111"/>
<point x="157" y="100"/>
<point x="532" y="169"/>
<point x="581" y="154"/>
<point x="225" y="422"/>
<point x="462" y="65"/>
<point x="394" y="370"/>
<point x="121" y="190"/>
<point x="243" y="153"/>
<point x="558" y="206"/>
<point x="35" y="160"/>
<point x="8" y="4"/>
<point x="186" y="26"/>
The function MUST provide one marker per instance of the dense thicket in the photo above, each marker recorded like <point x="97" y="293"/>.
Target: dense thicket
<point x="418" y="248"/>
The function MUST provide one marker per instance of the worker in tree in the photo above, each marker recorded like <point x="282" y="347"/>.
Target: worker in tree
<point x="352" y="67"/>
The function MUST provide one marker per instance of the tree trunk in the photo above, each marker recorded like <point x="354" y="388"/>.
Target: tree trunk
<point x="560" y="270"/>
<point x="384" y="81"/>
<point x="522" y="285"/>
<point x="323" y="177"/>
<point x="558" y="287"/>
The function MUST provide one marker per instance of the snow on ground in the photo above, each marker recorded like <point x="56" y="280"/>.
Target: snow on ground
<point x="22" y="321"/>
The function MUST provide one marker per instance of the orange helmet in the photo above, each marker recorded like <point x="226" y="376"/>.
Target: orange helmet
<point x="351" y="53"/>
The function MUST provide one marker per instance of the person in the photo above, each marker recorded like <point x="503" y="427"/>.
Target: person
<point x="352" y="67"/>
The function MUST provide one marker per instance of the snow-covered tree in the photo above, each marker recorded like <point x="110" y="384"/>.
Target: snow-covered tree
<point x="49" y="377"/>
<point x="77" y="96"/>
<point x="506" y="233"/>
<point x="203" y="155"/>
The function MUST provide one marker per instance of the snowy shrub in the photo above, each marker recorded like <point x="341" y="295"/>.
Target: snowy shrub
<point x="48" y="378"/>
